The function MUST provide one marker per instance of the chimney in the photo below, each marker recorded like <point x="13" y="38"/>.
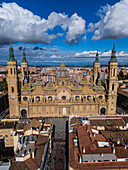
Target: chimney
<point x="33" y="155"/>
<point x="114" y="150"/>
<point x="83" y="149"/>
<point x="80" y="159"/>
<point x="102" y="155"/>
<point x="118" y="141"/>
<point x="10" y="162"/>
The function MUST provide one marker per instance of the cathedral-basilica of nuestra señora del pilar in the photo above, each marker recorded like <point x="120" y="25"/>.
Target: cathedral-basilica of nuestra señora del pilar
<point x="65" y="96"/>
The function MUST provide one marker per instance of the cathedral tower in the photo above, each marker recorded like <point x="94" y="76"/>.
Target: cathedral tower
<point x="112" y="83"/>
<point x="24" y="69"/>
<point x="12" y="80"/>
<point x="96" y="69"/>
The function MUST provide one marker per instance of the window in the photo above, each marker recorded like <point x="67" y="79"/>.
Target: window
<point x="63" y="97"/>
<point x="14" y="70"/>
<point x="100" y="97"/>
<point x="77" y="97"/>
<point x="11" y="70"/>
<point x="62" y="83"/>
<point x="50" y="98"/>
<point x="6" y="131"/>
<point x="12" y="89"/>
<point x="6" y="136"/>
<point x="0" y="131"/>
<point x="114" y="72"/>
<point x="88" y="97"/>
<point x="25" y="98"/>
<point x="112" y="86"/>
<point x="0" y="135"/>
<point x="37" y="98"/>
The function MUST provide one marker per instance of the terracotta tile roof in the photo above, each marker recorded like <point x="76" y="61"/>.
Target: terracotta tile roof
<point x="7" y="125"/>
<point x="107" y="122"/>
<point x="113" y="136"/>
<point x="82" y="137"/>
<point x="18" y="166"/>
<point x="122" y="92"/>
<point x="39" y="148"/>
<point x="121" y="152"/>
<point x="94" y="165"/>
<point x="30" y="163"/>
<point x="34" y="123"/>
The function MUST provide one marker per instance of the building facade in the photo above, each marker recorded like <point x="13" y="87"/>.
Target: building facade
<point x="65" y="96"/>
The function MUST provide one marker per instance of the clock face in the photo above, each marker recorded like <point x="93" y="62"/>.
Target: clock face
<point x="13" y="95"/>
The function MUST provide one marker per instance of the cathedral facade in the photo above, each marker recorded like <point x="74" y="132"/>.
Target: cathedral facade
<point x="65" y="96"/>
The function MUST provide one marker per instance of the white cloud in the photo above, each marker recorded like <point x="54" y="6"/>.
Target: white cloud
<point x="54" y="49"/>
<point x="104" y="54"/>
<point x="87" y="54"/>
<point x="75" y="29"/>
<point x="54" y="56"/>
<point x="18" y="24"/>
<point x="84" y="38"/>
<point x="113" y="22"/>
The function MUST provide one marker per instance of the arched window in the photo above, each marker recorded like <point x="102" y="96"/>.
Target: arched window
<point x="88" y="97"/>
<point x="62" y="83"/>
<point x="12" y="89"/>
<point x="50" y="98"/>
<point x="77" y="97"/>
<point x="112" y="86"/>
<point x="114" y="72"/>
<point x="102" y="111"/>
<point x="38" y="98"/>
<point x="24" y="113"/>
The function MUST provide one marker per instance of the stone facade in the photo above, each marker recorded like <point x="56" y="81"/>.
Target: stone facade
<point x="65" y="96"/>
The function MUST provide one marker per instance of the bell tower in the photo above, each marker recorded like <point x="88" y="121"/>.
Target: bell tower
<point x="12" y="81"/>
<point x="24" y="69"/>
<point x="112" y="83"/>
<point x="96" y="69"/>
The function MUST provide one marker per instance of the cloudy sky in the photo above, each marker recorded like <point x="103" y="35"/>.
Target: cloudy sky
<point x="76" y="28"/>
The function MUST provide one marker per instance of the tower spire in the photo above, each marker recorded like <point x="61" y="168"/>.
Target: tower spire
<point x="24" y="56"/>
<point x="97" y="59"/>
<point x="11" y="53"/>
<point x="113" y="56"/>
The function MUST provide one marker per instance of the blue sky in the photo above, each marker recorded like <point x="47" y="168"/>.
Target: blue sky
<point x="75" y="28"/>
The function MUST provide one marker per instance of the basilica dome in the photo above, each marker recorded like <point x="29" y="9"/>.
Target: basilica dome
<point x="62" y="74"/>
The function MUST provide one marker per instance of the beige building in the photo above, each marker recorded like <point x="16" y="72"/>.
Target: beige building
<point x="66" y="96"/>
<point x="6" y="133"/>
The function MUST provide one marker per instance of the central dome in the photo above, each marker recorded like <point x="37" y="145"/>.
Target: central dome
<point x="62" y="74"/>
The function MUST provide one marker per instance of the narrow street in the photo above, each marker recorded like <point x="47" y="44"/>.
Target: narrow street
<point x="58" y="160"/>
